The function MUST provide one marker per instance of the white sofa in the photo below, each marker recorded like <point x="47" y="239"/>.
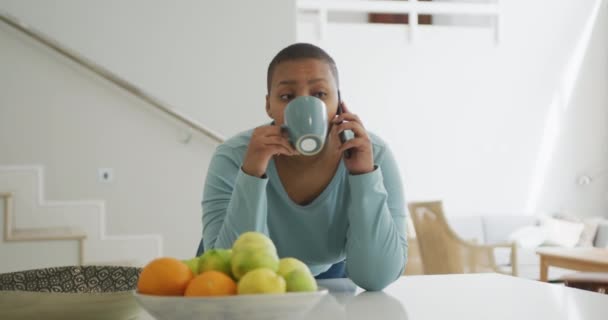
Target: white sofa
<point x="494" y="229"/>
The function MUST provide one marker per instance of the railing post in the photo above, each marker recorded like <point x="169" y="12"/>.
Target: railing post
<point x="412" y="8"/>
<point x="413" y="20"/>
<point x="322" y="23"/>
<point x="497" y="23"/>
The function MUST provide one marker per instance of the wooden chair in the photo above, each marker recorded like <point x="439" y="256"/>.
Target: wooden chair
<point x="444" y="252"/>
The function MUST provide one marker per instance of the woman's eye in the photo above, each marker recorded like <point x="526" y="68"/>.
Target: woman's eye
<point x="286" y="97"/>
<point x="320" y="94"/>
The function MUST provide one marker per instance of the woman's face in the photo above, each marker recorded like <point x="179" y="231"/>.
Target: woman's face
<point x="304" y="77"/>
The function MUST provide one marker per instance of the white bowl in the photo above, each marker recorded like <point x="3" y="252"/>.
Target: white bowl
<point x="289" y="305"/>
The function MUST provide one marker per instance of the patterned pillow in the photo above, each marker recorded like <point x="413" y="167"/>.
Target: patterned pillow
<point x="589" y="232"/>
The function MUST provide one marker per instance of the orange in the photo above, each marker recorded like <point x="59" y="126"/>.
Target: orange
<point x="211" y="283"/>
<point x="164" y="276"/>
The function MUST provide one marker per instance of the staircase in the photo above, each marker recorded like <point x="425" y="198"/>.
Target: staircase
<point x="59" y="232"/>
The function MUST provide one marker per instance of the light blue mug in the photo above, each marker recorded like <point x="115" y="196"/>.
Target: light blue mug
<point x="305" y="119"/>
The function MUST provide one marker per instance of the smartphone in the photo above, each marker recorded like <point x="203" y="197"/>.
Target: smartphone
<point x="346" y="134"/>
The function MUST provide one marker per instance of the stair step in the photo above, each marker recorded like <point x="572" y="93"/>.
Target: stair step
<point x="37" y="234"/>
<point x="33" y="225"/>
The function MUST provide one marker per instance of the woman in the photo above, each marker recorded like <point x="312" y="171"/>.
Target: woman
<point x="331" y="211"/>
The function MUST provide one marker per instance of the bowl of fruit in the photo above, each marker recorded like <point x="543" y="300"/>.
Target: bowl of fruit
<point x="69" y="292"/>
<point x="248" y="281"/>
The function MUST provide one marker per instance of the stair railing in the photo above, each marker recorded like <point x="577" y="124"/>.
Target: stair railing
<point x="108" y="75"/>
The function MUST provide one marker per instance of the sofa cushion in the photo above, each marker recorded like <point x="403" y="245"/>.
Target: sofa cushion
<point x="528" y="236"/>
<point x="497" y="228"/>
<point x="528" y="264"/>
<point x="468" y="228"/>
<point x="528" y="257"/>
<point x="502" y="257"/>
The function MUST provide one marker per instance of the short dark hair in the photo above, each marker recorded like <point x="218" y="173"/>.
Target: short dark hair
<point x="298" y="51"/>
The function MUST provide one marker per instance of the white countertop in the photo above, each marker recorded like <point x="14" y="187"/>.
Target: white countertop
<point x="463" y="296"/>
<point x="467" y="296"/>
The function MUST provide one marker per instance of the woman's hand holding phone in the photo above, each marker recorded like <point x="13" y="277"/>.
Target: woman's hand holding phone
<point x="360" y="157"/>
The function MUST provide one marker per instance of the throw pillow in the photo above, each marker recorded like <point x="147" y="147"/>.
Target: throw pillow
<point x="589" y="232"/>
<point x="528" y="237"/>
<point x="591" y="225"/>
<point x="561" y="232"/>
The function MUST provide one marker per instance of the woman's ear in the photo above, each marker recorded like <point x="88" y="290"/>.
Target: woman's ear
<point x="268" y="112"/>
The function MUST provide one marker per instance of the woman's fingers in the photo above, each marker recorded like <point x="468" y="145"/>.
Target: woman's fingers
<point x="355" y="127"/>
<point x="357" y="143"/>
<point x="280" y="141"/>
<point x="277" y="149"/>
<point x="270" y="131"/>
<point x="274" y="136"/>
<point x="347" y="117"/>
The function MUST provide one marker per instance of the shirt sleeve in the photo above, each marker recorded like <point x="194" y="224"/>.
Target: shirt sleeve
<point x="233" y="201"/>
<point x="376" y="245"/>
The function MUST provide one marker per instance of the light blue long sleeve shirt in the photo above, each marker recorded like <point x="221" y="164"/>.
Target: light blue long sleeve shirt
<point x="360" y="218"/>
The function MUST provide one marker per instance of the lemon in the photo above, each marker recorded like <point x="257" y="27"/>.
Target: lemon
<point x="253" y="240"/>
<point x="287" y="265"/>
<point x="261" y="280"/>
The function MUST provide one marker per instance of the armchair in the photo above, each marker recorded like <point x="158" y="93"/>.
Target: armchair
<point x="444" y="252"/>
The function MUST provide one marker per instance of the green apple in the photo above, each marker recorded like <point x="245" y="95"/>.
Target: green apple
<point x="300" y="281"/>
<point x="246" y="260"/>
<point x="192" y="264"/>
<point x="253" y="250"/>
<point x="216" y="259"/>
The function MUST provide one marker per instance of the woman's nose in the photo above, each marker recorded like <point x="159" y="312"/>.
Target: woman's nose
<point x="303" y="92"/>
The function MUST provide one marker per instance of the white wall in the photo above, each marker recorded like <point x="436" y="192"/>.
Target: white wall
<point x="51" y="253"/>
<point x="581" y="135"/>
<point x="466" y="116"/>
<point x="207" y="58"/>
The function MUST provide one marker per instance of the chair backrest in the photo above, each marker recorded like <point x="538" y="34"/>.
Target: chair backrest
<point x="441" y="250"/>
